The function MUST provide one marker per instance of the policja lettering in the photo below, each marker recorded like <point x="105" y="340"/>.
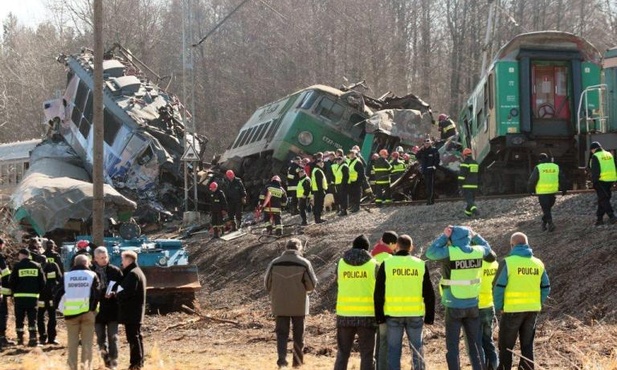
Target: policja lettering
<point x="490" y="272"/>
<point x="467" y="264"/>
<point x="404" y="272"/>
<point x="528" y="271"/>
<point x="355" y="275"/>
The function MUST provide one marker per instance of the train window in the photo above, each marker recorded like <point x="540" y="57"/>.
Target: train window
<point x="253" y="135"/>
<point x="76" y="115"/>
<point x="308" y="100"/>
<point x="84" y="127"/>
<point x="263" y="130"/>
<point x="491" y="91"/>
<point x="240" y="137"/>
<point x="330" y="110"/>
<point x="486" y="97"/>
<point x="88" y="112"/>
<point x="112" y="126"/>
<point x="355" y="127"/>
<point x="81" y="96"/>
<point x="273" y="128"/>
<point x="246" y="137"/>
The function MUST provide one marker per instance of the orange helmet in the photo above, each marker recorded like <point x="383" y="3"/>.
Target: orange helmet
<point x="466" y="152"/>
<point x="82" y="244"/>
<point x="383" y="153"/>
<point x="230" y="174"/>
<point x="213" y="186"/>
<point x="276" y="178"/>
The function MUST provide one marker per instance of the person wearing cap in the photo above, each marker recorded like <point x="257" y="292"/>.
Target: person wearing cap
<point x="26" y="282"/>
<point x="46" y="304"/>
<point x="382" y="251"/>
<point x="218" y="206"/>
<point x="340" y="168"/>
<point x="319" y="186"/>
<point x="468" y="182"/>
<point x="52" y="255"/>
<point x="404" y="300"/>
<point x="357" y="177"/>
<point x="429" y="162"/>
<point x="303" y="191"/>
<point x="132" y="307"/>
<point x="545" y="181"/>
<point x="235" y="193"/>
<point x="382" y="169"/>
<point x="461" y="252"/>
<point x="80" y="298"/>
<point x="603" y="175"/>
<point x="289" y="279"/>
<point x="5" y="293"/>
<point x="272" y="199"/>
<point x="447" y="128"/>
<point x="293" y="177"/>
<point x="521" y="288"/>
<point x="355" y="311"/>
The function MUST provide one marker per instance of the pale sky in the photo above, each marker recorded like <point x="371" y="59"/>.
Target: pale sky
<point x="28" y="12"/>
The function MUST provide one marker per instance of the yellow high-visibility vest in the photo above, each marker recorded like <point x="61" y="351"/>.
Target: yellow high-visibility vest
<point x="522" y="293"/>
<point x="356" y="285"/>
<point x="404" y="276"/>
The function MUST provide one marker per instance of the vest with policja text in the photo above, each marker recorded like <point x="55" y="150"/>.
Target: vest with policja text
<point x="300" y="188"/>
<point x="465" y="272"/>
<point x="338" y="173"/>
<point x="77" y="289"/>
<point x="404" y="276"/>
<point x="522" y="293"/>
<point x="489" y="269"/>
<point x="356" y="285"/>
<point x="324" y="181"/>
<point x="548" y="180"/>
<point x="607" y="165"/>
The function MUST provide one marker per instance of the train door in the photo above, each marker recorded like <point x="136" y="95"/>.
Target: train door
<point x="551" y="104"/>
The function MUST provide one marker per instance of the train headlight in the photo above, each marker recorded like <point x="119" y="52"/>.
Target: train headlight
<point x="305" y="138"/>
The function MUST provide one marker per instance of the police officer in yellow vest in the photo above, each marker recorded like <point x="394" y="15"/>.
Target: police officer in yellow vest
<point x="487" y="312"/>
<point x="461" y="252"/>
<point x="319" y="186"/>
<point x="355" y="313"/>
<point x="545" y="181"/>
<point x="404" y="300"/>
<point x="603" y="175"/>
<point x="26" y="282"/>
<point x="340" y="170"/>
<point x="81" y="292"/>
<point x="303" y="191"/>
<point x="521" y="287"/>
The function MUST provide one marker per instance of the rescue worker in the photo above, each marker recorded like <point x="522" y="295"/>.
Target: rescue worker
<point x="303" y="191"/>
<point x="603" y="175"/>
<point x="357" y="178"/>
<point x="26" y="282"/>
<point x="83" y="247"/>
<point x="53" y="276"/>
<point x="236" y="198"/>
<point x="382" y="170"/>
<point x="52" y="255"/>
<point x="382" y="251"/>
<point x="429" y="161"/>
<point x="487" y="312"/>
<point x="319" y="186"/>
<point x="447" y="128"/>
<point x="218" y="206"/>
<point x="272" y="198"/>
<point x="404" y="300"/>
<point x="461" y="252"/>
<point x="521" y="288"/>
<point x="355" y="311"/>
<point x="545" y="181"/>
<point x="398" y="167"/>
<point x="371" y="174"/>
<point x="341" y="183"/>
<point x="468" y="182"/>
<point x="5" y="293"/>
<point x="293" y="177"/>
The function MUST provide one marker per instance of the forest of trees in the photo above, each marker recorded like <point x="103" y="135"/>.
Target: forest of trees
<point x="268" y="49"/>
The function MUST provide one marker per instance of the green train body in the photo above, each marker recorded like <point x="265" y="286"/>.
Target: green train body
<point x="529" y="102"/>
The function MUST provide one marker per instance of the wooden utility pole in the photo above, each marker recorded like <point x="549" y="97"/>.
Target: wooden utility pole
<point x="98" y="204"/>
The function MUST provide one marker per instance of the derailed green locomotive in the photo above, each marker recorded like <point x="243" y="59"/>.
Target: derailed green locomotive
<point x="541" y="94"/>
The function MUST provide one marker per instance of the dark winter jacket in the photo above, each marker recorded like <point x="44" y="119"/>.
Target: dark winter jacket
<point x="53" y="256"/>
<point x="132" y="297"/>
<point x="54" y="280"/>
<point x="235" y="191"/>
<point x="108" y="310"/>
<point x="429" y="158"/>
<point x="217" y="200"/>
<point x="31" y="283"/>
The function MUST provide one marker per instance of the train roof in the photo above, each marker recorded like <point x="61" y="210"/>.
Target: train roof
<point x="547" y="40"/>
<point x="17" y="150"/>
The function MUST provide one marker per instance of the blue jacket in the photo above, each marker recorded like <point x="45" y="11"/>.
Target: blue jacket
<point x="499" y="288"/>
<point x="438" y="251"/>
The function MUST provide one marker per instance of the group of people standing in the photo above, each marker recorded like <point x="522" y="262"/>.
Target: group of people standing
<point x="387" y="291"/>
<point x="94" y="297"/>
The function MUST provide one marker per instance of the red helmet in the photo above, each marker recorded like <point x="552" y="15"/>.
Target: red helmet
<point x="276" y="178"/>
<point x="466" y="152"/>
<point x="394" y="155"/>
<point x="213" y="186"/>
<point x="443" y="117"/>
<point x="82" y="244"/>
<point x="383" y="153"/>
<point x="230" y="174"/>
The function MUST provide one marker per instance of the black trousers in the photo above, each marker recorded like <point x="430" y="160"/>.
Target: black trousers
<point x="429" y="182"/>
<point x="21" y="312"/>
<point x="345" y="338"/>
<point x="603" y="191"/>
<point x="318" y="197"/>
<point x="547" y="201"/>
<point x="217" y="220"/>
<point x="302" y="202"/>
<point x="235" y="211"/>
<point x="470" y="199"/>
<point x="382" y="193"/>
<point x="341" y="197"/>
<point x="511" y="326"/>
<point x="355" y="194"/>
<point x="136" y="344"/>
<point x="47" y="306"/>
<point x="4" y="314"/>
<point x="282" y="334"/>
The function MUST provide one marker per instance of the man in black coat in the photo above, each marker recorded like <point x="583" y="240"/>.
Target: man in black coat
<point x="106" y="322"/>
<point x="236" y="198"/>
<point x="429" y="160"/>
<point x="132" y="307"/>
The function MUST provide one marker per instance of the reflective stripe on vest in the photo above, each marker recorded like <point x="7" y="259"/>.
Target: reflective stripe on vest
<point x="324" y="182"/>
<point x="465" y="272"/>
<point x="489" y="269"/>
<point x="472" y="168"/>
<point x="5" y="272"/>
<point x="404" y="275"/>
<point x="300" y="188"/>
<point x="548" y="180"/>
<point x="522" y="293"/>
<point x="353" y="174"/>
<point x="607" y="165"/>
<point x="26" y="295"/>
<point x="356" y="285"/>
<point x="77" y="285"/>
<point x="5" y="291"/>
<point x="51" y="275"/>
